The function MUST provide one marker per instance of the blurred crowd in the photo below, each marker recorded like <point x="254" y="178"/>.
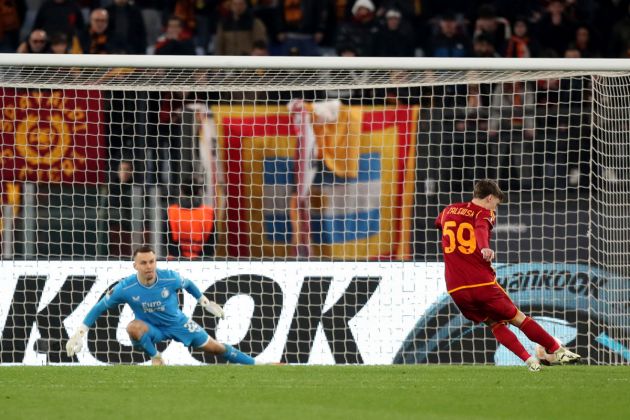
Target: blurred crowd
<point x="455" y="28"/>
<point x="150" y="139"/>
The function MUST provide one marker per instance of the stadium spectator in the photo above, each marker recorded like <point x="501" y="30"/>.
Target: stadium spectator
<point x="483" y="47"/>
<point x="37" y="43"/>
<point x="174" y="41"/>
<point x="196" y="16"/>
<point x="621" y="39"/>
<point x="59" y="43"/>
<point x="259" y="49"/>
<point x="126" y="30"/>
<point x="151" y="12"/>
<point x="615" y="21"/>
<point x="12" y="13"/>
<point x="61" y="16"/>
<point x="471" y="280"/>
<point x="473" y="115"/>
<point x="572" y="52"/>
<point x="521" y="43"/>
<point x="164" y="139"/>
<point x="407" y="8"/>
<point x="556" y="29"/>
<point x="411" y="17"/>
<point x="358" y="35"/>
<point x="585" y="43"/>
<point x="511" y="123"/>
<point x="157" y="316"/>
<point x="269" y="14"/>
<point x="450" y="40"/>
<point x="95" y="39"/>
<point x="238" y="31"/>
<point x="190" y="224"/>
<point x="395" y="38"/>
<point x="514" y="10"/>
<point x="512" y="108"/>
<point x="496" y="29"/>
<point x="303" y="26"/>
<point x="120" y="210"/>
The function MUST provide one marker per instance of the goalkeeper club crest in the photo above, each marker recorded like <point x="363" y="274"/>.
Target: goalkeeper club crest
<point x="165" y="293"/>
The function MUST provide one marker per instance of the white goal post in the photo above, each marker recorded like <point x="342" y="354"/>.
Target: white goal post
<point x="301" y="192"/>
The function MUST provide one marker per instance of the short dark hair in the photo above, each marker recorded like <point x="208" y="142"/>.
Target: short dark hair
<point x="143" y="249"/>
<point x="260" y="44"/>
<point x="58" y="38"/>
<point x="487" y="187"/>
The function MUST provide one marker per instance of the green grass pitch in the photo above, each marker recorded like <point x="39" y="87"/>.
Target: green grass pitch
<point x="314" y="392"/>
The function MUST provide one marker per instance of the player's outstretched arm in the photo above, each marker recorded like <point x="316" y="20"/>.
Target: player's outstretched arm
<point x="210" y="306"/>
<point x="75" y="343"/>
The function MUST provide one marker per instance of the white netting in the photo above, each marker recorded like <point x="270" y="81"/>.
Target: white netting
<point x="342" y="168"/>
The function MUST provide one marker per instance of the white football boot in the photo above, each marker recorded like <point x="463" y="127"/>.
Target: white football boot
<point x="564" y="356"/>
<point x="533" y="365"/>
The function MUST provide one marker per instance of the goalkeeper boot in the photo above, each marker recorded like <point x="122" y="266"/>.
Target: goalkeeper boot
<point x="564" y="356"/>
<point x="533" y="364"/>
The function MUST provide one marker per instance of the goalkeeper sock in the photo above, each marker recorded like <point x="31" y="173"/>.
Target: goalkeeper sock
<point x="537" y="334"/>
<point x="510" y="341"/>
<point x="146" y="344"/>
<point x="235" y="356"/>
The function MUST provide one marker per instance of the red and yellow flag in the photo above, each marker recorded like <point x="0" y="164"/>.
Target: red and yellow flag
<point x="361" y="201"/>
<point x="51" y="135"/>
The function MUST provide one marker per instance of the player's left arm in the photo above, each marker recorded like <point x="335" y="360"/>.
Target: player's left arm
<point x="210" y="306"/>
<point x="483" y="225"/>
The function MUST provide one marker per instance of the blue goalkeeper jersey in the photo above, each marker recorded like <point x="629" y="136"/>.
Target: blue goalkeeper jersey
<point x="156" y="304"/>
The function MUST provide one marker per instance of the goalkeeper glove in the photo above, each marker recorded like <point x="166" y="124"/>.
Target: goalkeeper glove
<point x="75" y="344"/>
<point x="212" y="307"/>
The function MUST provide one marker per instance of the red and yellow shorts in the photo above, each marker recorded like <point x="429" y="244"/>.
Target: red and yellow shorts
<point x="487" y="302"/>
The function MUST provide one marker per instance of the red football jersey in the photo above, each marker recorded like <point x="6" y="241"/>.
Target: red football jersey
<point x="466" y="229"/>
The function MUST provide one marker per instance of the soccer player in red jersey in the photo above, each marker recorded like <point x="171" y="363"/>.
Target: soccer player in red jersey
<point x="471" y="280"/>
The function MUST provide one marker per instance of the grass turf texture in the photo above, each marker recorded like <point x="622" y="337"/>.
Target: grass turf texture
<point x="314" y="392"/>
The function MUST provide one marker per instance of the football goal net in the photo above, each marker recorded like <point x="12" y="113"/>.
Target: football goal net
<point x="301" y="194"/>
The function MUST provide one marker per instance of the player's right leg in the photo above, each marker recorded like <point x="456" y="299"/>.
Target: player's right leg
<point x="228" y="352"/>
<point x="473" y="303"/>
<point x="499" y="304"/>
<point x="144" y="336"/>
<point x="536" y="333"/>
<point x="192" y="335"/>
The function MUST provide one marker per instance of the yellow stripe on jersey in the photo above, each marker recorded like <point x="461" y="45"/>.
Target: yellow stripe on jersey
<point x="469" y="286"/>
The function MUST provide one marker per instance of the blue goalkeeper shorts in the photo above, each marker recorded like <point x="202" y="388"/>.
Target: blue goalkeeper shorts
<point x="189" y="334"/>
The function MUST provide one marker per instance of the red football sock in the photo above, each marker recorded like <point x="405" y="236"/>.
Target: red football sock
<point x="509" y="340"/>
<point x="537" y="334"/>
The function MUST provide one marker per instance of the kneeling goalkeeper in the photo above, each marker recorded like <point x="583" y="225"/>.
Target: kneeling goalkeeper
<point x="152" y="295"/>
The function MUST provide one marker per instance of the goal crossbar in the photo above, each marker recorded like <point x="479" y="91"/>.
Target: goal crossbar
<point x="230" y="73"/>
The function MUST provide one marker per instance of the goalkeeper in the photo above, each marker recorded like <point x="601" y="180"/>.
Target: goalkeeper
<point x="152" y="295"/>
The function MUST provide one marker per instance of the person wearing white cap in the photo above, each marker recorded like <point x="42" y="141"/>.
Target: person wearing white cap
<point x="395" y="38"/>
<point x="359" y="33"/>
<point x="303" y="24"/>
<point x="362" y="3"/>
<point x="393" y="14"/>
